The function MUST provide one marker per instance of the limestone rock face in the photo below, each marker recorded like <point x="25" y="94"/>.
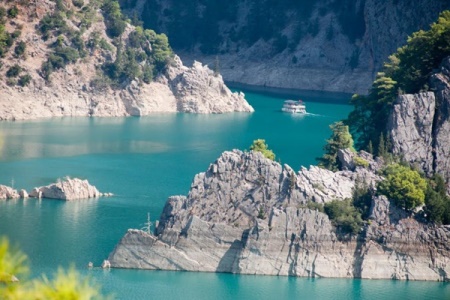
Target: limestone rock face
<point x="411" y="126"/>
<point x="328" y="60"/>
<point x="419" y="125"/>
<point x="247" y="215"/>
<point x="7" y="192"/>
<point x="67" y="189"/>
<point x="399" y="247"/>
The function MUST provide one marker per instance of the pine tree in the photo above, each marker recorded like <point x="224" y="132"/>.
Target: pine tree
<point x="340" y="139"/>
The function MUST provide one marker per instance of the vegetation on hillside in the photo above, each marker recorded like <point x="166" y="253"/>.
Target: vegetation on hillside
<point x="407" y="71"/>
<point x="123" y="55"/>
<point x="437" y="202"/>
<point x="213" y="24"/>
<point x="344" y="215"/>
<point x="261" y="146"/>
<point x="64" y="285"/>
<point x="340" y="139"/>
<point x="403" y="185"/>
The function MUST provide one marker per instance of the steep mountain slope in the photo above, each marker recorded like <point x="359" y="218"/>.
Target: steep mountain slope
<point x="83" y="58"/>
<point x="332" y="45"/>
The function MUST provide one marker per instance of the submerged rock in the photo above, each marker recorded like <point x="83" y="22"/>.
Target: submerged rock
<point x="67" y="189"/>
<point x="247" y="214"/>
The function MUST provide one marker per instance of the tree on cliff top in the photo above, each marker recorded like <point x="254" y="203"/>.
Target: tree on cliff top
<point x="340" y="139"/>
<point x="261" y="146"/>
<point x="407" y="71"/>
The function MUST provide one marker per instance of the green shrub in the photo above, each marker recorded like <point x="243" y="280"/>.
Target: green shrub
<point x="315" y="206"/>
<point x="344" y="215"/>
<point x="437" y="203"/>
<point x="360" y="162"/>
<point x="404" y="186"/>
<point x="147" y="74"/>
<point x="100" y="84"/>
<point x="2" y="14"/>
<point x="362" y="198"/>
<point x="24" y="80"/>
<point x="78" y="3"/>
<point x="14" y="71"/>
<point x="13" y="12"/>
<point x="260" y="145"/>
<point x="11" y="81"/>
<point x="16" y="34"/>
<point x="52" y="22"/>
<point x="105" y="45"/>
<point x="114" y="19"/>
<point x="20" y="48"/>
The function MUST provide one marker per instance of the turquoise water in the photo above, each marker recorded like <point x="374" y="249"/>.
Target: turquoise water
<point x="143" y="161"/>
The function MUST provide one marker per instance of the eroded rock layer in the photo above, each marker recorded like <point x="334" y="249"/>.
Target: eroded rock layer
<point x="248" y="215"/>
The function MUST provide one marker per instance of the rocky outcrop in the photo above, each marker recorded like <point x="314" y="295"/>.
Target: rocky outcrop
<point x="7" y="192"/>
<point x="248" y="215"/>
<point x="81" y="89"/>
<point x="182" y="89"/>
<point x="67" y="189"/>
<point x="397" y="246"/>
<point x="419" y="125"/>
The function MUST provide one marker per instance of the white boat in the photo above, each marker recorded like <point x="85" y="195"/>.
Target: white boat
<point x="294" y="107"/>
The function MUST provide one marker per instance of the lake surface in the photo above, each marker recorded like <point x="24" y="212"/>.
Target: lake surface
<point x="143" y="161"/>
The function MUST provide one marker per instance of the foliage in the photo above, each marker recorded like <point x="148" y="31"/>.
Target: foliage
<point x="404" y="186"/>
<point x="315" y="206"/>
<point x="362" y="198"/>
<point x="65" y="284"/>
<point x="52" y="23"/>
<point x="115" y="21"/>
<point x="260" y="145"/>
<point x="14" y="71"/>
<point x="344" y="215"/>
<point x="360" y="162"/>
<point x="6" y="40"/>
<point x="261" y="214"/>
<point x="20" y="48"/>
<point x="437" y="203"/>
<point x="139" y="60"/>
<point x="13" y="12"/>
<point x="200" y="22"/>
<point x="78" y="3"/>
<point x="24" y="80"/>
<point x="408" y="70"/>
<point x="12" y="263"/>
<point x="340" y="139"/>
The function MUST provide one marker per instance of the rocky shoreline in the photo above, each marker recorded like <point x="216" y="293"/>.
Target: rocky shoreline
<point x="181" y="89"/>
<point x="65" y="189"/>
<point x="248" y="215"/>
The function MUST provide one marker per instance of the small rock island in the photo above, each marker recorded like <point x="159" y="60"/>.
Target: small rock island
<point x="250" y="215"/>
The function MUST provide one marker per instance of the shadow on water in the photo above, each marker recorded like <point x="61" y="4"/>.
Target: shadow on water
<point x="313" y="96"/>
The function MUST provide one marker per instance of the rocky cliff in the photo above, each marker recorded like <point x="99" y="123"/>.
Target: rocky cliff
<point x="330" y="45"/>
<point x="76" y="86"/>
<point x="249" y="215"/>
<point x="419" y="125"/>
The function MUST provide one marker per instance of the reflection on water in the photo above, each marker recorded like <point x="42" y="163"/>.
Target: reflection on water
<point x="81" y="136"/>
